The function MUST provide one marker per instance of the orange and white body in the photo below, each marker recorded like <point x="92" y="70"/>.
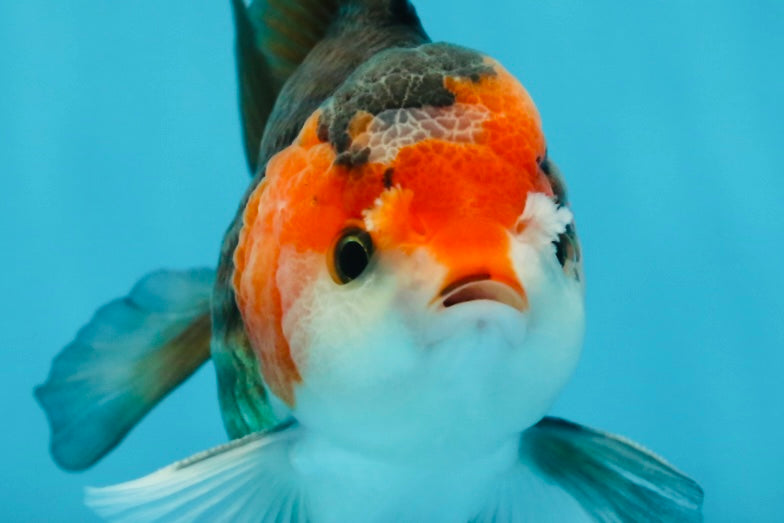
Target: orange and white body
<point x="461" y="318"/>
<point x="398" y="303"/>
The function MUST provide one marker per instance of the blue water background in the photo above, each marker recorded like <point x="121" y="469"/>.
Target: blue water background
<point x="120" y="153"/>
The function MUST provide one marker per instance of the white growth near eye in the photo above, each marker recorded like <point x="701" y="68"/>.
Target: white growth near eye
<point x="393" y="129"/>
<point x="542" y="220"/>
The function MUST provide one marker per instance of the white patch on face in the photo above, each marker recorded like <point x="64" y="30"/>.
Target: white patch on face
<point x="388" y="369"/>
<point x="333" y="328"/>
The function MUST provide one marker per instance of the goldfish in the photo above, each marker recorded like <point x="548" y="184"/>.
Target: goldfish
<point x="397" y="304"/>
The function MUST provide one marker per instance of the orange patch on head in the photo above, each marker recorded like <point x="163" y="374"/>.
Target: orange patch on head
<point x="359" y="123"/>
<point x="514" y="132"/>
<point x="303" y="202"/>
<point x="472" y="247"/>
<point x="461" y="199"/>
<point x="457" y="199"/>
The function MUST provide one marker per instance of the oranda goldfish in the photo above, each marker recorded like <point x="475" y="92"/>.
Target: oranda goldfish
<point x="396" y="305"/>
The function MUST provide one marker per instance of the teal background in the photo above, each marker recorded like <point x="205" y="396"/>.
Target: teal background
<point x="120" y="153"/>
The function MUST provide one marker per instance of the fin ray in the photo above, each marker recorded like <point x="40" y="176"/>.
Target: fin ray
<point x="614" y="479"/>
<point x="246" y="477"/>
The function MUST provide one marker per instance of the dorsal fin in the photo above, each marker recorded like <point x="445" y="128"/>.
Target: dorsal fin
<point x="275" y="37"/>
<point x="286" y="31"/>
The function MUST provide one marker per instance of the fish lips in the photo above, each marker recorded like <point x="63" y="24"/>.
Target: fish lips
<point x="480" y="287"/>
<point x="478" y="308"/>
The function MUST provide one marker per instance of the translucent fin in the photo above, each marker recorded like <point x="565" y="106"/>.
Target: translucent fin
<point x="273" y="37"/>
<point x="132" y="353"/>
<point x="614" y="479"/>
<point x="525" y="494"/>
<point x="286" y="30"/>
<point x="249" y="479"/>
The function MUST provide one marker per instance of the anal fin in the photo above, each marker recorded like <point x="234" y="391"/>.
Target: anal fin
<point x="133" y="352"/>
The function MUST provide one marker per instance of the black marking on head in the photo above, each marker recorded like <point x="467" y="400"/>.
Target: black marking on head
<point x="561" y="248"/>
<point x="388" y="178"/>
<point x="554" y="177"/>
<point x="397" y="79"/>
<point x="350" y="158"/>
<point x="567" y="248"/>
<point x="359" y="30"/>
<point x="322" y="129"/>
<point x="542" y="162"/>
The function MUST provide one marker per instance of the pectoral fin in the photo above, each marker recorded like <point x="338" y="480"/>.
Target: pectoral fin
<point x="250" y="479"/>
<point x="612" y="478"/>
<point x="132" y="353"/>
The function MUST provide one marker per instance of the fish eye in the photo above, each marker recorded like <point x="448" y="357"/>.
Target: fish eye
<point x="351" y="254"/>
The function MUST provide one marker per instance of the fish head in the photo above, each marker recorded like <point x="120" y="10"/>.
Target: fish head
<point x="415" y="278"/>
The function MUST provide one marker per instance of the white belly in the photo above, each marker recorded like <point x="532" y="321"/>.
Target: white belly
<point x="343" y="486"/>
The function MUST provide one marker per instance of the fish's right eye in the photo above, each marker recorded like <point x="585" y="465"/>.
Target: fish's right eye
<point x="351" y="254"/>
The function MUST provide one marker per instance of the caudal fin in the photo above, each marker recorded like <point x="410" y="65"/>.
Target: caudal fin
<point x="132" y="353"/>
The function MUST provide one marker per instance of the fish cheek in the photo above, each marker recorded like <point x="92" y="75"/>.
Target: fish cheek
<point x="296" y="279"/>
<point x="320" y="320"/>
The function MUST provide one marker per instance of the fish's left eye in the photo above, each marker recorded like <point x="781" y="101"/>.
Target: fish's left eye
<point x="351" y="254"/>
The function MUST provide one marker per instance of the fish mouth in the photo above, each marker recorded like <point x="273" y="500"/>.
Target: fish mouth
<point x="483" y="287"/>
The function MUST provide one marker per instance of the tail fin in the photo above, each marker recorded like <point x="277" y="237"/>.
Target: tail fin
<point x="612" y="478"/>
<point x="132" y="353"/>
<point x="274" y="37"/>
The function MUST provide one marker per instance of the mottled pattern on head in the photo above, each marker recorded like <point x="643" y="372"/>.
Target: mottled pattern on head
<point x="433" y="148"/>
<point x="360" y="31"/>
<point x="396" y="79"/>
